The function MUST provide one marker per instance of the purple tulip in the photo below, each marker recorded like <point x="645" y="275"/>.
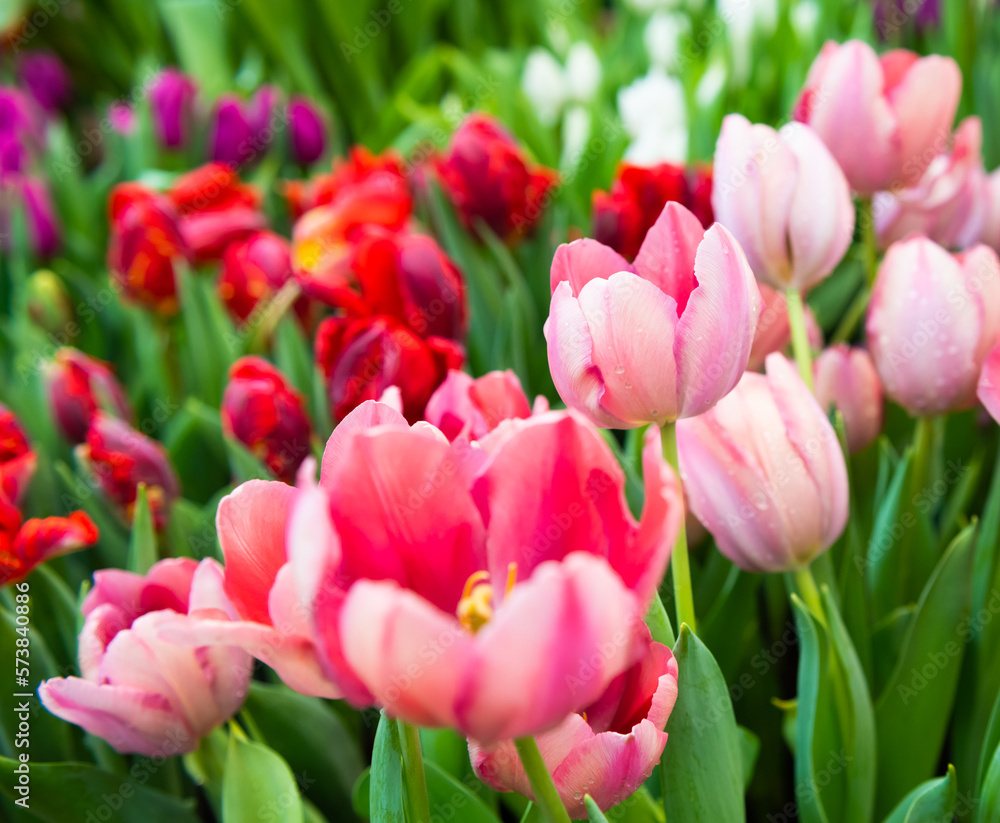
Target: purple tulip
<point x="20" y="117"/>
<point x="260" y="111"/>
<point x="31" y="194"/>
<point x="46" y="79"/>
<point x="171" y="99"/>
<point x="122" y="118"/>
<point x="308" y="134"/>
<point x="231" y="140"/>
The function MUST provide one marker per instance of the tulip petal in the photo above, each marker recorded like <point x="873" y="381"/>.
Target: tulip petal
<point x="584" y="260"/>
<point x="367" y="415"/>
<point x="715" y="333"/>
<point x="989" y="384"/>
<point x="667" y="255"/>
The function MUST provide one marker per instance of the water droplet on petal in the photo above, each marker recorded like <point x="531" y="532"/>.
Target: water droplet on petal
<point x="619" y="369"/>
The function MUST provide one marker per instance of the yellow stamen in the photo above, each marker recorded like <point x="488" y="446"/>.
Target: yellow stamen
<point x="511" y="578"/>
<point x="474" y="580"/>
<point x="476" y="606"/>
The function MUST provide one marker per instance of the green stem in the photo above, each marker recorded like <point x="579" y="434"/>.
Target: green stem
<point x="680" y="566"/>
<point x="923" y="442"/>
<point x="867" y="217"/>
<point x="800" y="337"/>
<point x="807" y="587"/>
<point x="869" y="256"/>
<point x="542" y="786"/>
<point x="659" y="623"/>
<point x="413" y="773"/>
<point x="853" y="316"/>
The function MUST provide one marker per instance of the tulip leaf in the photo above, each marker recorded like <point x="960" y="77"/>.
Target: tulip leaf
<point x="314" y="742"/>
<point x="595" y="815"/>
<point x="912" y="712"/>
<point x="452" y="800"/>
<point x="258" y="782"/>
<point x="72" y="791"/>
<point x="991" y="741"/>
<point x="989" y="795"/>
<point x="749" y="750"/>
<point x="209" y="335"/>
<point x="142" y="553"/>
<point x="244" y="464"/>
<point x="198" y="33"/>
<point x="930" y="802"/>
<point x="702" y="764"/>
<point x="386" y="778"/>
<point x="881" y="573"/>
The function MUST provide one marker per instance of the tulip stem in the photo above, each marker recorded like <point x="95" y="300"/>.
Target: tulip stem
<point x="542" y="786"/>
<point x="800" y="338"/>
<point x="807" y="587"/>
<point x="680" y="566"/>
<point x="413" y="773"/>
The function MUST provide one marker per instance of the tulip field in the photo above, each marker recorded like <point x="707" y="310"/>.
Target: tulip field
<point x="479" y="412"/>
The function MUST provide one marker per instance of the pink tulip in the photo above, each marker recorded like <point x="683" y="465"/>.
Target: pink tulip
<point x="989" y="384"/>
<point x="271" y="622"/>
<point x="463" y="406"/>
<point x="764" y="472"/>
<point x="650" y="342"/>
<point x="785" y="200"/>
<point x="846" y="378"/>
<point x="773" y="330"/>
<point x="138" y="692"/>
<point x="933" y="318"/>
<point x="948" y="204"/>
<point x="990" y="231"/>
<point x="883" y="117"/>
<point x="606" y="751"/>
<point x="428" y="566"/>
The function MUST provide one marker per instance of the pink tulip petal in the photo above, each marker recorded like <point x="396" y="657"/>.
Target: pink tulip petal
<point x="989" y="384"/>
<point x="166" y="586"/>
<point x="251" y="526"/>
<point x="101" y="625"/>
<point x="368" y="415"/>
<point x="715" y="333"/>
<point x="667" y="255"/>
<point x="581" y="261"/>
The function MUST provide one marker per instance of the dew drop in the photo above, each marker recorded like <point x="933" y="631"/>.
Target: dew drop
<point x="628" y="385"/>
<point x="619" y="369"/>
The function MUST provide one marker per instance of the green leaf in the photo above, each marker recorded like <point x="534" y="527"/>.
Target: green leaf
<point x="882" y="575"/>
<point x="386" y="779"/>
<point x="314" y="742"/>
<point x="595" y="815"/>
<point x="142" y="552"/>
<point x="749" y="751"/>
<point x="198" y="32"/>
<point x="702" y="768"/>
<point x="72" y="791"/>
<point x="258" y="783"/>
<point x="930" y="802"/>
<point x="208" y="332"/>
<point x="912" y="712"/>
<point x="244" y="464"/>
<point x="452" y="800"/>
<point x="989" y="796"/>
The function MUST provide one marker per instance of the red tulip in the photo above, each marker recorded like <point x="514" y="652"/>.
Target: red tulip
<point x="363" y="357"/>
<point x="145" y="244"/>
<point x="262" y="410"/>
<point x="23" y="546"/>
<point x="215" y="209"/>
<point x="17" y="460"/>
<point x="489" y="178"/>
<point x="253" y="269"/>
<point x="78" y="386"/>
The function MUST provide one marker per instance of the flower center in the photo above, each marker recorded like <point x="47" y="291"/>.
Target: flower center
<point x="475" y="609"/>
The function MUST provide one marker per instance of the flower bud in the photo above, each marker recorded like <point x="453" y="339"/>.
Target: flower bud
<point x="846" y="379"/>
<point x="307" y="131"/>
<point x="171" y="103"/>
<point x="78" y="386"/>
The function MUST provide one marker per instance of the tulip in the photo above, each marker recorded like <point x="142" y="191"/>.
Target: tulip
<point x="262" y="410"/>
<point x="623" y="216"/>
<point x="17" y="460"/>
<point x="171" y="102"/>
<point x="652" y="342"/>
<point x="362" y="171"/>
<point x="31" y="194"/>
<point x="466" y="407"/>
<point x="145" y="245"/>
<point x="48" y="303"/>
<point x="261" y="116"/>
<point x="45" y="77"/>
<point x="270" y="621"/>
<point x="389" y="575"/>
<point x="608" y="750"/>
<point x="361" y="358"/>
<point x="948" y="204"/>
<point x="307" y="131"/>
<point x="990" y="232"/>
<point x="785" y="200"/>
<point x="884" y="118"/>
<point x="764" y="472"/>
<point x="774" y="331"/>
<point x="489" y="178"/>
<point x="933" y="319"/>
<point x="24" y="546"/>
<point x="253" y="270"/>
<point x="21" y="117"/>
<point x="845" y="378"/>
<point x="654" y="113"/>
<point x="141" y="694"/>
<point x="121" y="117"/>
<point x="988" y="389"/>
<point x="215" y="209"/>
<point x="78" y="386"/>
<point x="231" y="139"/>
<point x="120" y="458"/>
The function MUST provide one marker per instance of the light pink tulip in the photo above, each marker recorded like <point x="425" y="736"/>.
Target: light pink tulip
<point x="650" y="342"/>
<point x="784" y="198"/>
<point x="429" y="566"/>
<point x="464" y="406"/>
<point x="272" y="623"/>
<point x="846" y="378"/>
<point x="142" y="694"/>
<point x="773" y="330"/>
<point x="932" y="320"/>
<point x="883" y="117"/>
<point x="990" y="232"/>
<point x="989" y="384"/>
<point x="606" y="751"/>
<point x="764" y="472"/>
<point x="948" y="205"/>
